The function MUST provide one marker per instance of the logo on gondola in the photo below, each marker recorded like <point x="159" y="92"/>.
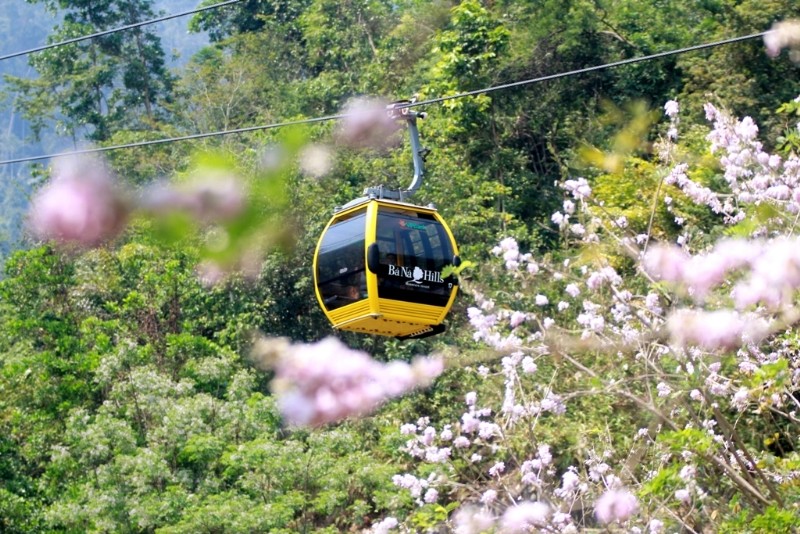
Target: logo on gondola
<point x="412" y="225"/>
<point x="416" y="276"/>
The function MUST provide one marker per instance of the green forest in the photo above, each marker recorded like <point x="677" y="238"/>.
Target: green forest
<point x="620" y="355"/>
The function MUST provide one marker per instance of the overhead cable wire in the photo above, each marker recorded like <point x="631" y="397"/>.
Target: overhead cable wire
<point x="115" y="30"/>
<point x="407" y="105"/>
<point x="175" y="139"/>
<point x="585" y="70"/>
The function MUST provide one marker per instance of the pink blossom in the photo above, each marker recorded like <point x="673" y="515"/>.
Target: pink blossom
<point x="553" y="403"/>
<point x="472" y="520"/>
<point x="741" y="399"/>
<point x="528" y="365"/>
<point x="327" y="381"/>
<point x="489" y="496"/>
<point x="782" y="35"/>
<point x="746" y="129"/>
<point x="215" y="198"/>
<point x="208" y="198"/>
<point x="577" y="229"/>
<point x="385" y="526"/>
<point x="487" y="430"/>
<point x="81" y="205"/>
<point x="461" y="442"/>
<point x="569" y="483"/>
<point x="579" y="188"/>
<point x="497" y="469"/>
<point x="572" y="290"/>
<point x="511" y="256"/>
<point x="665" y="262"/>
<point x="408" y="428"/>
<point x="720" y="329"/>
<point x="688" y="473"/>
<point x="711" y="111"/>
<point x="413" y="484"/>
<point x="594" y="281"/>
<point x="508" y="244"/>
<point x="210" y="273"/>
<point x="427" y="435"/>
<point x="651" y="302"/>
<point x="615" y="505"/>
<point x="524" y="517"/>
<point x="469" y="423"/>
<point x="774" y="276"/>
<point x="671" y="108"/>
<point x="436" y="455"/>
<point x="517" y="318"/>
<point x="541" y="300"/>
<point x="545" y="456"/>
<point x="315" y="160"/>
<point x="471" y="398"/>
<point x="366" y="122"/>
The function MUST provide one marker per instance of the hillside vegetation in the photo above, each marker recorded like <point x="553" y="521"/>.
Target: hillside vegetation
<point x="622" y="355"/>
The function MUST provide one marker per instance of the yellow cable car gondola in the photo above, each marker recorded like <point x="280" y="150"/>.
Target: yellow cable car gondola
<point x="378" y="264"/>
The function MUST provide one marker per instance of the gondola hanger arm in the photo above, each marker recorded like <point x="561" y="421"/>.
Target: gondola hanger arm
<point x="401" y="112"/>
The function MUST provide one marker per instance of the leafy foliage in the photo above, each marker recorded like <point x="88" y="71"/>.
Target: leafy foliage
<point x="128" y="402"/>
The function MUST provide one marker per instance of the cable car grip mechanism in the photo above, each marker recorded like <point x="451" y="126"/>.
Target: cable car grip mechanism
<point x="401" y="112"/>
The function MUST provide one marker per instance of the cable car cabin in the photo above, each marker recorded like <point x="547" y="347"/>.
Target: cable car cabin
<point x="378" y="269"/>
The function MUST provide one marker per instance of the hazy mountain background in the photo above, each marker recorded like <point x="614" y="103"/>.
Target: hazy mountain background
<point x="24" y="26"/>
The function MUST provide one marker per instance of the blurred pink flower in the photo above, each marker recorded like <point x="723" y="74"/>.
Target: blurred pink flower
<point x="208" y="199"/>
<point x="472" y="520"/>
<point x="664" y="262"/>
<point x="524" y="517"/>
<point x="216" y="199"/>
<point x="323" y="382"/>
<point x="711" y="330"/>
<point x="782" y="35"/>
<point x="80" y="206"/>
<point x="316" y="160"/>
<point x="489" y="496"/>
<point x="615" y="505"/>
<point x="367" y="124"/>
<point x="385" y="526"/>
<point x="210" y="273"/>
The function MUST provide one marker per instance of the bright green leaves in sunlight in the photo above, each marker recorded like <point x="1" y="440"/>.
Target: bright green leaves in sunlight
<point x="452" y="270"/>
<point x="636" y="123"/>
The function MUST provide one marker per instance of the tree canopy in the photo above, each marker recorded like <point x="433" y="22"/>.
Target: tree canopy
<point x="622" y="355"/>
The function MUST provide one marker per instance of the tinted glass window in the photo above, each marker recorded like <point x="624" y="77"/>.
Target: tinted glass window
<point x="414" y="248"/>
<point x="340" y="264"/>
